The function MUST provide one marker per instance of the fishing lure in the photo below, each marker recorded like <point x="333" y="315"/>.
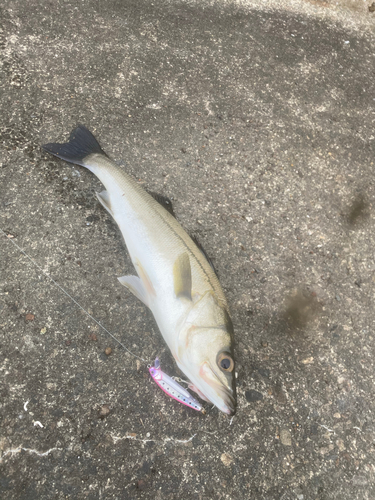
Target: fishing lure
<point x="173" y="388"/>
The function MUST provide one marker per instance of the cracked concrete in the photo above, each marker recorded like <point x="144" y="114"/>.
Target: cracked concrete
<point x="12" y="451"/>
<point x="149" y="440"/>
<point x="257" y="119"/>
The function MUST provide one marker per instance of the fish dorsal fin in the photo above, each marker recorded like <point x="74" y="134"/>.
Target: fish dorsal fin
<point x="164" y="201"/>
<point x="135" y="286"/>
<point x="199" y="245"/>
<point x="103" y="197"/>
<point x="182" y="277"/>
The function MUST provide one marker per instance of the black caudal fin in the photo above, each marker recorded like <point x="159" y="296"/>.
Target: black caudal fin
<point x="81" y="144"/>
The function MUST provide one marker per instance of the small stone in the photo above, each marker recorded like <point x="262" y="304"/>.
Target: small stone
<point x="264" y="372"/>
<point x="279" y="393"/>
<point x="68" y="342"/>
<point x="29" y="317"/>
<point x="93" y="337"/>
<point x="340" y="444"/>
<point x="43" y="330"/>
<point x="252" y="396"/>
<point x="104" y="411"/>
<point x="308" y="361"/>
<point x="372" y="7"/>
<point x="336" y="415"/>
<point x="286" y="437"/>
<point x="138" y="365"/>
<point x="226" y="459"/>
<point x="140" y="484"/>
<point x="108" y="351"/>
<point x="264" y="343"/>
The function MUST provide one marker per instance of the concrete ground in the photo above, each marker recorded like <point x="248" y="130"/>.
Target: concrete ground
<point x="257" y="119"/>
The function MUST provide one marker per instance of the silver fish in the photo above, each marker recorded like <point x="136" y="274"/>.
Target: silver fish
<point x="174" y="278"/>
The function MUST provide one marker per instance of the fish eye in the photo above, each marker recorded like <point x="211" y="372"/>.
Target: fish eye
<point x="225" y="362"/>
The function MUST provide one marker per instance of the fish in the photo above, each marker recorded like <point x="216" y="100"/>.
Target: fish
<point x="173" y="277"/>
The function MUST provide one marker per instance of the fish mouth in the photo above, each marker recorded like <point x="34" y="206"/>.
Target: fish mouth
<point x="228" y="404"/>
<point x="223" y="396"/>
<point x="209" y="387"/>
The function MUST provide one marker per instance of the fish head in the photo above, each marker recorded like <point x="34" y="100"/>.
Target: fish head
<point x="205" y="355"/>
<point x="208" y="363"/>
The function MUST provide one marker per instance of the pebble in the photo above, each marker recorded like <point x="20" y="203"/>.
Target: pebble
<point x="226" y="459"/>
<point x="252" y="396"/>
<point x="286" y="437"/>
<point x="308" y="361"/>
<point x="140" y="484"/>
<point x="340" y="444"/>
<point x="104" y="411"/>
<point x="29" y="317"/>
<point x="108" y="351"/>
<point x="264" y="372"/>
<point x="43" y="330"/>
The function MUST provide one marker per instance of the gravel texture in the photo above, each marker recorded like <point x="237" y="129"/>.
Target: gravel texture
<point x="258" y="122"/>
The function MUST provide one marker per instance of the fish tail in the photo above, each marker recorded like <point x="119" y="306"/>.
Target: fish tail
<point x="81" y="144"/>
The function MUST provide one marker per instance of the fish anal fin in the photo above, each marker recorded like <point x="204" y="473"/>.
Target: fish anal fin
<point x="103" y="197"/>
<point x="182" y="277"/>
<point x="135" y="286"/>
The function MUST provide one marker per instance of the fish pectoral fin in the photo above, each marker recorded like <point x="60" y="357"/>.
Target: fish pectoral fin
<point x="182" y="277"/>
<point x="200" y="394"/>
<point x="103" y="197"/>
<point x="135" y="286"/>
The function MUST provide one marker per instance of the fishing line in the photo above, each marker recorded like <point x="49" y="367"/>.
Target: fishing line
<point x="68" y="295"/>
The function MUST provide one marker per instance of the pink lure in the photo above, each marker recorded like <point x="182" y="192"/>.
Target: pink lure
<point x="173" y="388"/>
